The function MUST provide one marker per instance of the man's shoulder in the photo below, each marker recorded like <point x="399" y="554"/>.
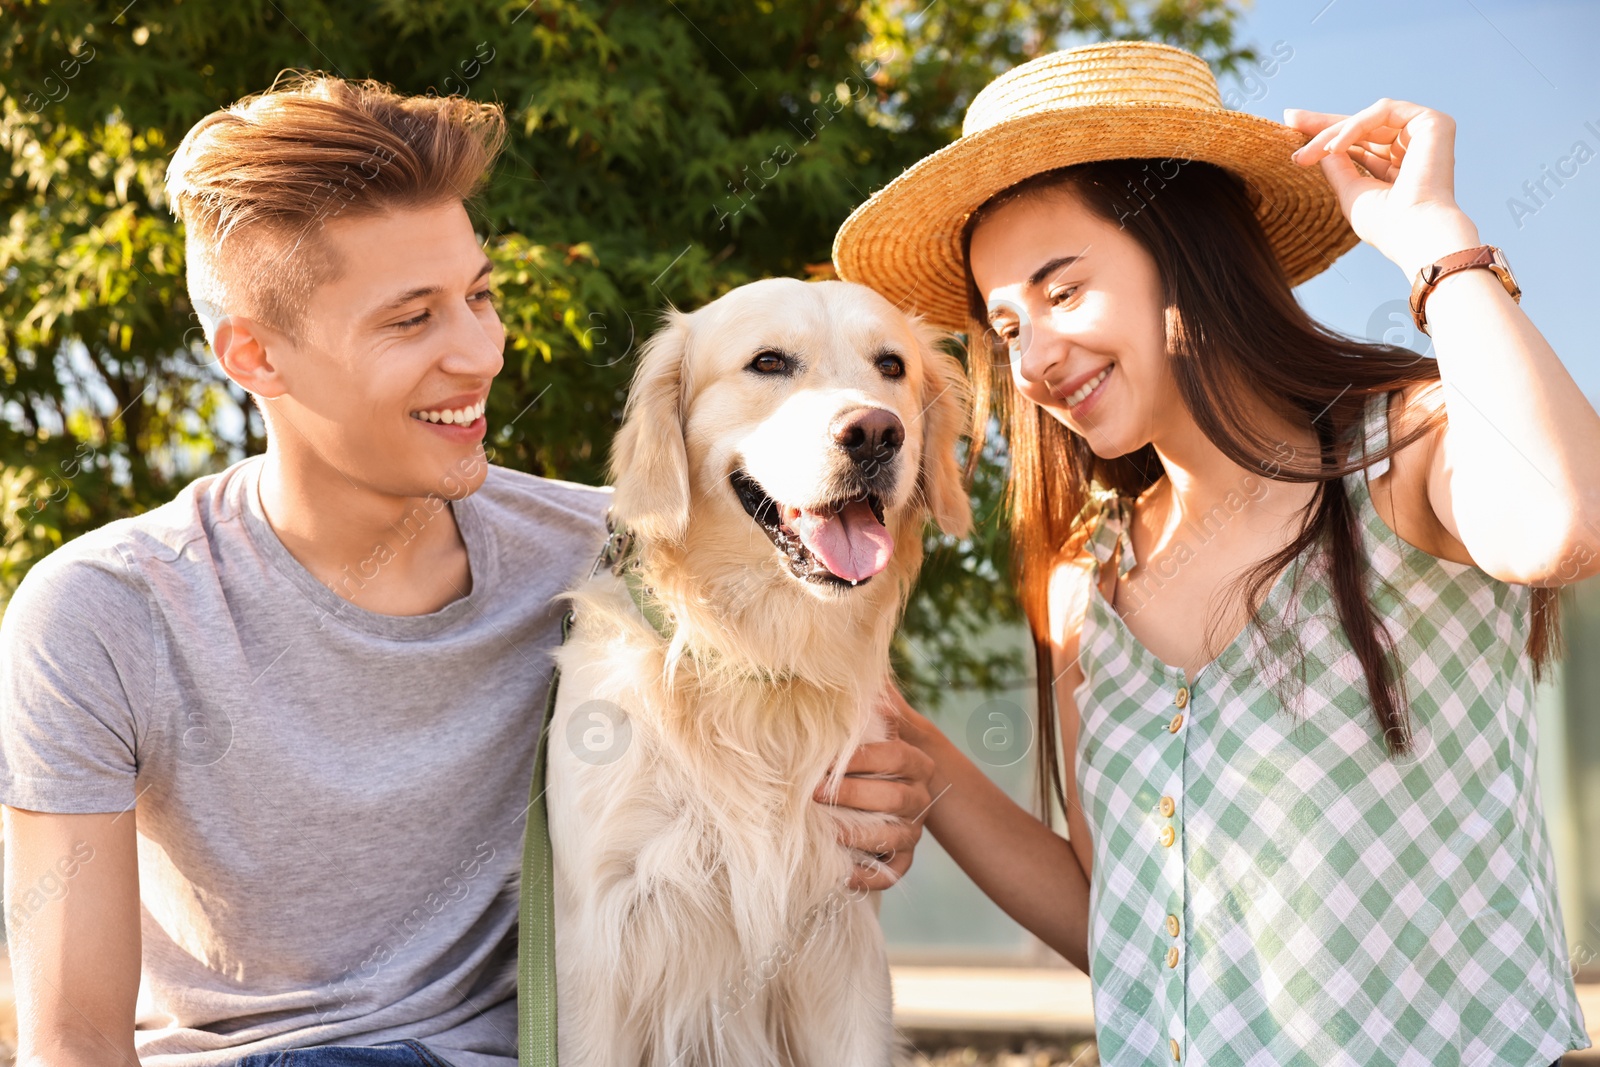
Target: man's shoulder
<point x="106" y="563"/>
<point x="516" y="495"/>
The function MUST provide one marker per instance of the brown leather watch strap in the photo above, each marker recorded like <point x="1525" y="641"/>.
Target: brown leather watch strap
<point x="1486" y="256"/>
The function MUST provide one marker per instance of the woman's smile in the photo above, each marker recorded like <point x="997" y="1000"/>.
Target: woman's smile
<point x="1084" y="398"/>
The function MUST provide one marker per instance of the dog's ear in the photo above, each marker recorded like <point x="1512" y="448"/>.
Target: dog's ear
<point x="946" y="402"/>
<point x="649" y="462"/>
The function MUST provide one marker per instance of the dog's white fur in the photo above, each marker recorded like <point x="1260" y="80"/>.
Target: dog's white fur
<point x="703" y="917"/>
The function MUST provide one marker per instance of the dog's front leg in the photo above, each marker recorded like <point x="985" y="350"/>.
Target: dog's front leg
<point x="838" y="989"/>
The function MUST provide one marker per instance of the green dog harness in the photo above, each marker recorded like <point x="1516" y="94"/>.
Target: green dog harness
<point x="536" y="942"/>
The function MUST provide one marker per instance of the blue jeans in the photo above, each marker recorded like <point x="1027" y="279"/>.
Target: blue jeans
<point x="405" y="1053"/>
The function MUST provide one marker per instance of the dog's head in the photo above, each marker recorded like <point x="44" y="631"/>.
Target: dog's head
<point x="811" y="423"/>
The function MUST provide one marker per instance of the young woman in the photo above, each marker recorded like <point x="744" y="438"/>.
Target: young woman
<point x="1304" y="824"/>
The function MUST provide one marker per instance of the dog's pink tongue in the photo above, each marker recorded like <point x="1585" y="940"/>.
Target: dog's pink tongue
<point x="851" y="543"/>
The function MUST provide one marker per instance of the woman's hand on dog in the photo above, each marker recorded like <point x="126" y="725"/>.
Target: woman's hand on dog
<point x="893" y="777"/>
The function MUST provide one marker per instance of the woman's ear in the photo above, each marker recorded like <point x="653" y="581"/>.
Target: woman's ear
<point x="649" y="463"/>
<point x="945" y="400"/>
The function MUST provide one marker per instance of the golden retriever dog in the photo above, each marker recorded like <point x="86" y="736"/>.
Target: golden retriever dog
<point x="781" y="451"/>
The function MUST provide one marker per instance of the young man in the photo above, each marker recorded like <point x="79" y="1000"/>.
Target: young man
<point x="265" y="750"/>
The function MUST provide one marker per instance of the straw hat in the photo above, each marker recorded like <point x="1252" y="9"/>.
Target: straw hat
<point x="1114" y="100"/>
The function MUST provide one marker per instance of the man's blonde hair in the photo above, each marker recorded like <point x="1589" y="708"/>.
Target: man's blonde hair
<point x="255" y="182"/>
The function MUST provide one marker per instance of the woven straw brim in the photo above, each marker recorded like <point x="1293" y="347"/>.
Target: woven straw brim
<point x="905" y="241"/>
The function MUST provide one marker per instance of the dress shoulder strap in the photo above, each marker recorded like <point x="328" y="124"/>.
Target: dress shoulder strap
<point x="1375" y="432"/>
<point x="1112" y="533"/>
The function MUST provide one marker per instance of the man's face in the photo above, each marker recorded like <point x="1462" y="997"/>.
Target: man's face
<point x="387" y="380"/>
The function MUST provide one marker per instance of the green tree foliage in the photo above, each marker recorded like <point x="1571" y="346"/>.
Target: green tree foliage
<point x="660" y="152"/>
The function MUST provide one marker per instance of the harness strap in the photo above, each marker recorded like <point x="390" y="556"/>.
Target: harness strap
<point x="536" y="942"/>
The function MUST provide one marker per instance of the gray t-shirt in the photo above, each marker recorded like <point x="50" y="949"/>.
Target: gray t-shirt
<point x="330" y="802"/>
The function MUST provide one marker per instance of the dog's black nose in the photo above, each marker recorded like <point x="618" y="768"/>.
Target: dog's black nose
<point x="869" y="435"/>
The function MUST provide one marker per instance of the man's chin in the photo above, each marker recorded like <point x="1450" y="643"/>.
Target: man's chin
<point x="448" y="474"/>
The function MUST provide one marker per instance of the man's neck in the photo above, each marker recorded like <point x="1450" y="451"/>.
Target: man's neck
<point x="389" y="554"/>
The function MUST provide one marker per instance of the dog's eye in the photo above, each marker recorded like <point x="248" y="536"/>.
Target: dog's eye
<point x="771" y="363"/>
<point x="891" y="366"/>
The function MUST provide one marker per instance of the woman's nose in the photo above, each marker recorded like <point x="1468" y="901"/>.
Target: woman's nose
<point x="1037" y="353"/>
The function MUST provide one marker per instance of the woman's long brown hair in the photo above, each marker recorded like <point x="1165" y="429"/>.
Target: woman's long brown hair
<point x="1234" y="328"/>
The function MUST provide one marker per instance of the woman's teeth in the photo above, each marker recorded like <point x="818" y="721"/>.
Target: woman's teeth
<point x="1085" y="389"/>
<point x="457" y="417"/>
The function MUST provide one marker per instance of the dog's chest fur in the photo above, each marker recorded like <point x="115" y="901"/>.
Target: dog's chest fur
<point x="699" y="885"/>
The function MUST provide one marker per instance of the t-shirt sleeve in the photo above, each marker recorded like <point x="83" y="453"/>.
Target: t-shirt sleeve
<point x="76" y="649"/>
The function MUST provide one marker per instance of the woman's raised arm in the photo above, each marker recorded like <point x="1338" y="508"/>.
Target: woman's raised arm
<point x="1515" y="474"/>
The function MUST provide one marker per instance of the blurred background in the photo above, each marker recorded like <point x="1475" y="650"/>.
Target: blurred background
<point x="643" y="169"/>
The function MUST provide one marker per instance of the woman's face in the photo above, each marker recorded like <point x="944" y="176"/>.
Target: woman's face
<point x="1079" y="305"/>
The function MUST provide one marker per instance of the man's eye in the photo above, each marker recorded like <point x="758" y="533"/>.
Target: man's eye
<point x="771" y="363"/>
<point x="418" y="321"/>
<point x="484" y="296"/>
<point x="891" y="366"/>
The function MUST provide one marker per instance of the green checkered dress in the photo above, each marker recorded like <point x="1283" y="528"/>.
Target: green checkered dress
<point x="1268" y="888"/>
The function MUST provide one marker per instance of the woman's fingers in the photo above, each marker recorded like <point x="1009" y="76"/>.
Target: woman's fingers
<point x="1349" y="184"/>
<point x="884" y="841"/>
<point x="890" y="848"/>
<point x="1309" y="122"/>
<point x="1380" y="167"/>
<point x="896" y="758"/>
<point x="890" y="796"/>
<point x="1379" y="123"/>
<point x="880" y="876"/>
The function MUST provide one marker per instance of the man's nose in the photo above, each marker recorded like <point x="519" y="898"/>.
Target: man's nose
<point x="477" y="348"/>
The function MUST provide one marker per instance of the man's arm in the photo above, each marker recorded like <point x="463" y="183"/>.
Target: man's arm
<point x="72" y="919"/>
<point x="78" y="654"/>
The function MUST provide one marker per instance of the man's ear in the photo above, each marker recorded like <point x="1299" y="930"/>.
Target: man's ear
<point x="240" y="345"/>
<point x="649" y="461"/>
<point x="946" y="400"/>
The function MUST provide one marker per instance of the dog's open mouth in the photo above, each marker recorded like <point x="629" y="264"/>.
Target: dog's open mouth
<point x="844" y="542"/>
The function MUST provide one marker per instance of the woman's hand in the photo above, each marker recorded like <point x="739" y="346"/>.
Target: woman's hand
<point x="892" y="777"/>
<point x="1407" y="208"/>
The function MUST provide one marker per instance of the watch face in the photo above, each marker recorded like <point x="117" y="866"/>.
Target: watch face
<point x="1509" y="280"/>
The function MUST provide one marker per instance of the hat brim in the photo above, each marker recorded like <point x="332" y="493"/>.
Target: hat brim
<point x="905" y="241"/>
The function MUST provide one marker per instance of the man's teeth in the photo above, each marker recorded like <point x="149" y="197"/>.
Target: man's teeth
<point x="1086" y="388"/>
<point x="456" y="417"/>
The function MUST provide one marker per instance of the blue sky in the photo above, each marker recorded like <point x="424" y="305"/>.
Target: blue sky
<point x="1521" y="80"/>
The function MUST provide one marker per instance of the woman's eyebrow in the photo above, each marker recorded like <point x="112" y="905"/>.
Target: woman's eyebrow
<point x="1050" y="267"/>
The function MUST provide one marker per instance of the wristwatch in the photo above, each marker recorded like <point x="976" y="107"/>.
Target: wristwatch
<point x="1487" y="256"/>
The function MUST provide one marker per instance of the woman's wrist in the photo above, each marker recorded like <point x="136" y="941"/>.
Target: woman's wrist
<point x="917" y="729"/>
<point x="1447" y="230"/>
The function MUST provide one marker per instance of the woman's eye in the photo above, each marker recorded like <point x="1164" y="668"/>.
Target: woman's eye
<point x="484" y="296"/>
<point x="891" y="366"/>
<point x="1062" y="293"/>
<point x="770" y="363"/>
